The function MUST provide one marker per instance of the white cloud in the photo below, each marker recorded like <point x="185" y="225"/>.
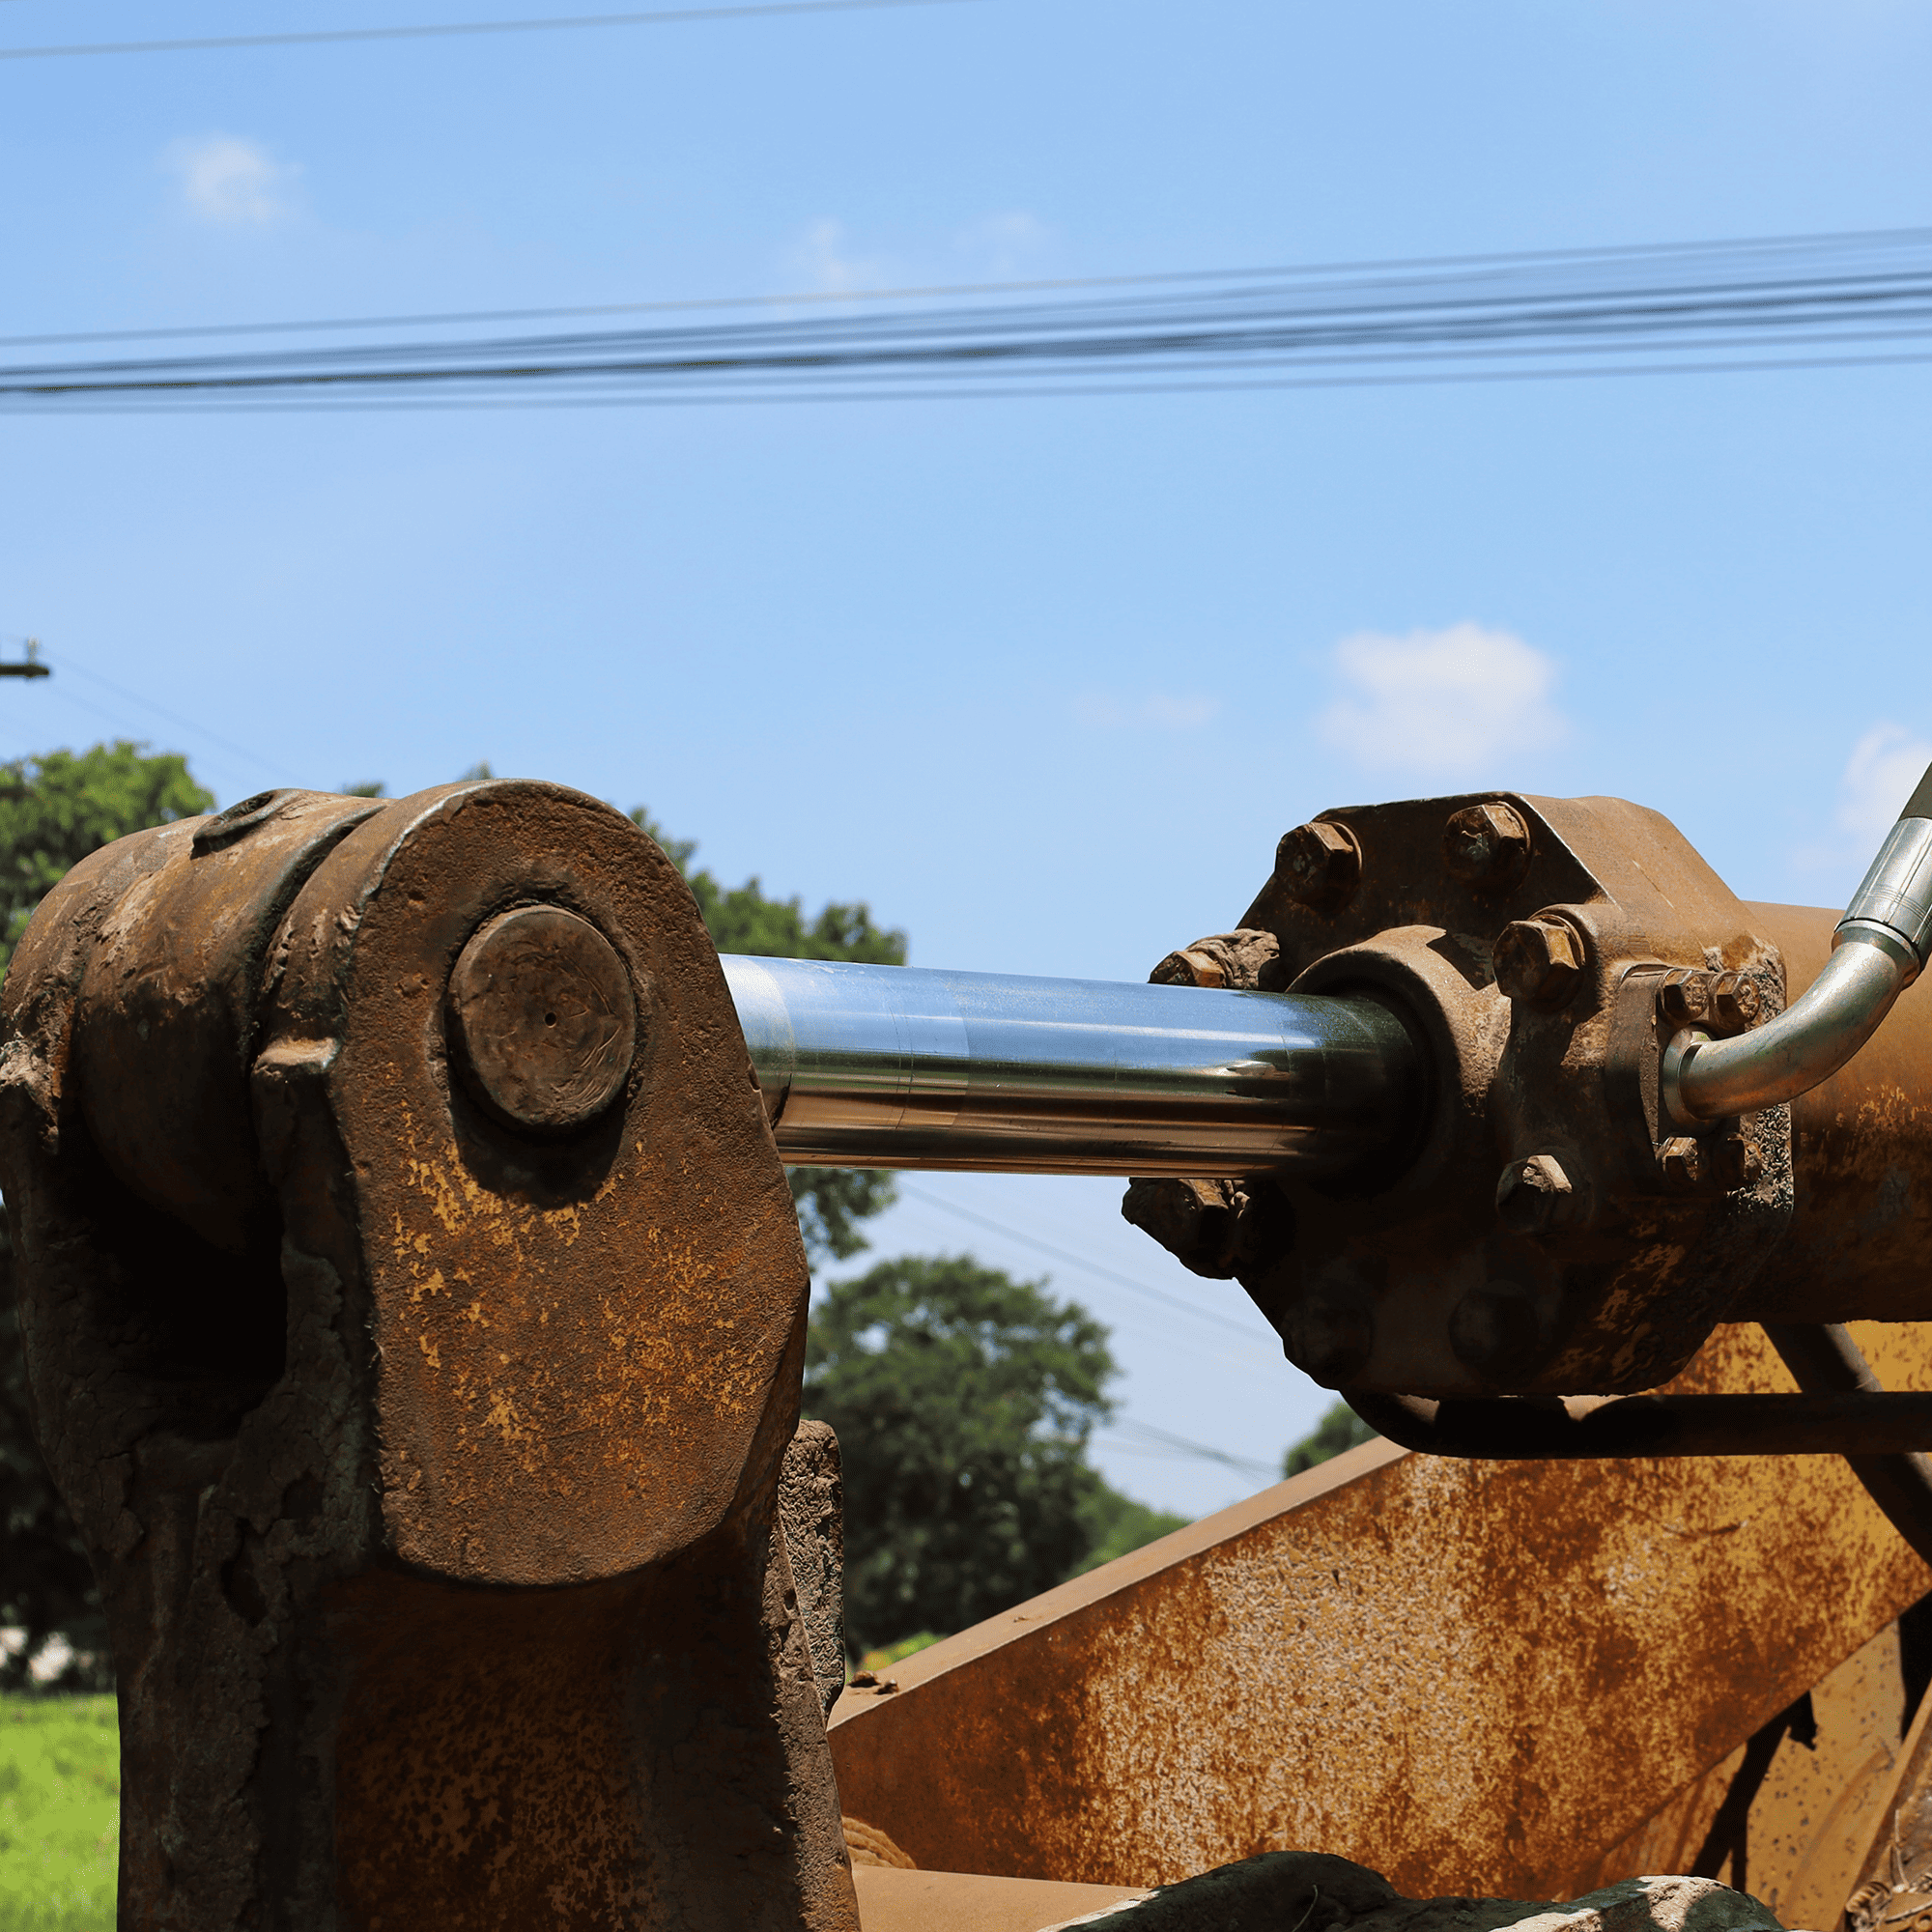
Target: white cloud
<point x="829" y="267"/>
<point x="1443" y="702"/>
<point x="231" y="183"/>
<point x="1884" y="765"/>
<point x="1164" y="713"/>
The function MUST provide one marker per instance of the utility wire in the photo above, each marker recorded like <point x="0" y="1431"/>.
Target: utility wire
<point x="1152" y="1441"/>
<point x="67" y="663"/>
<point x="71" y="665"/>
<point x="327" y="36"/>
<point x="1740" y="247"/>
<point x="1070" y="1260"/>
<point x="1847" y="299"/>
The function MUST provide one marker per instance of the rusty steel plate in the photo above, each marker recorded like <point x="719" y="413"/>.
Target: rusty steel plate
<point x="1476" y="1677"/>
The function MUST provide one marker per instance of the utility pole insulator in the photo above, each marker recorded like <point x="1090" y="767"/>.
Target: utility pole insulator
<point x="30" y="665"/>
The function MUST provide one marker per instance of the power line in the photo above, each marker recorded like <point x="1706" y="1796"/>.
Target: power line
<point x="1152" y="1441"/>
<point x="327" y="36"/>
<point x="1806" y="301"/>
<point x="68" y="662"/>
<point x="1070" y="1260"/>
<point x="799" y="298"/>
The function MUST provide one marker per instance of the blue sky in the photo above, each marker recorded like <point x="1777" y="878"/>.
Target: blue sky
<point x="1042" y="680"/>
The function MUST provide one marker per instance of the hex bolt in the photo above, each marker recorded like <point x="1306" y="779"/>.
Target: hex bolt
<point x="1318" y="864"/>
<point x="1735" y="1003"/>
<point x="1534" y="1195"/>
<point x="1540" y="960"/>
<point x="1495" y="1331"/>
<point x="1486" y="846"/>
<point x="1682" y="1161"/>
<point x="1329" y="1342"/>
<point x="1736" y="1162"/>
<point x="1189" y="968"/>
<point x="1684" y="999"/>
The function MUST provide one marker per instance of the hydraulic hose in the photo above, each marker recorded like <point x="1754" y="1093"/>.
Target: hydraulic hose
<point x="1880" y="946"/>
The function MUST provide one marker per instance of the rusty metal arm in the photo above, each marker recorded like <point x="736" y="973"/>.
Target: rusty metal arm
<point x="1880" y="947"/>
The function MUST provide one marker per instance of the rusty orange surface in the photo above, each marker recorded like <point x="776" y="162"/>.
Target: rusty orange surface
<point x="1476" y="1677"/>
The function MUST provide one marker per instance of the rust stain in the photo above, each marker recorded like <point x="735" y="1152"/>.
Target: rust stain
<point x="1427" y="1666"/>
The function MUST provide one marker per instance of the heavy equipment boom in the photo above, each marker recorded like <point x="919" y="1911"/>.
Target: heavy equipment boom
<point x="415" y="1319"/>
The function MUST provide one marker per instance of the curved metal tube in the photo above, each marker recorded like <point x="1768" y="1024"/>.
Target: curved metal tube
<point x="899" y="1066"/>
<point x="1882" y="942"/>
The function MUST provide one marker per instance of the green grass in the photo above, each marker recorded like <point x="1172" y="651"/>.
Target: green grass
<point x="60" y="1803"/>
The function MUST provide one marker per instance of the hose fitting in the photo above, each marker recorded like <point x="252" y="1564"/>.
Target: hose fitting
<point x="1879" y="948"/>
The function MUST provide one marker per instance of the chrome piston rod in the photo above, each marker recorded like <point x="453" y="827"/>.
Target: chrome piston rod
<point x="902" y="1066"/>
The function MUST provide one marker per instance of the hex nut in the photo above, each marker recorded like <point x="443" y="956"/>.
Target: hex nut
<point x="1685" y="999"/>
<point x="1682" y="1161"/>
<point x="1736" y="1163"/>
<point x="1735" y="1003"/>
<point x="1189" y="968"/>
<point x="1495" y="1332"/>
<point x="1329" y="1342"/>
<point x="1534" y="1195"/>
<point x="1318" y="864"/>
<point x="1486" y="846"/>
<point x="1540" y="960"/>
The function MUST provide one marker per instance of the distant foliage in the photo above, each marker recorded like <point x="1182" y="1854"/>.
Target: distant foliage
<point x="1339" y="1429"/>
<point x="830" y="1201"/>
<point x="963" y="1401"/>
<point x="1120" y="1525"/>
<point x="57" y="807"/>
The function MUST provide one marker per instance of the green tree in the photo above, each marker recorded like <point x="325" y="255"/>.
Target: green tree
<point x="1339" y="1429"/>
<point x="830" y="1201"/>
<point x="1118" y="1525"/>
<point x="963" y="1401"/>
<point x="57" y="807"/>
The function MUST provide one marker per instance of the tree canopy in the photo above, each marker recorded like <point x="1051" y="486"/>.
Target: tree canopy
<point x="1339" y="1429"/>
<point x="963" y="1401"/>
<point x="57" y="807"/>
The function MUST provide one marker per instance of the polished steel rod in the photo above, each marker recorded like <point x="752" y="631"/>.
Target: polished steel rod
<point x="902" y="1066"/>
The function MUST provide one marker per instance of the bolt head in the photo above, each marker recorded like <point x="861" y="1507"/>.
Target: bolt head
<point x="1534" y="1195"/>
<point x="1486" y="846"/>
<point x="1189" y="968"/>
<point x="1685" y="1000"/>
<point x="543" y="1017"/>
<point x="1735" y="1003"/>
<point x="1539" y="961"/>
<point x="1318" y="864"/>
<point x="1736" y="1163"/>
<point x="1682" y="1161"/>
